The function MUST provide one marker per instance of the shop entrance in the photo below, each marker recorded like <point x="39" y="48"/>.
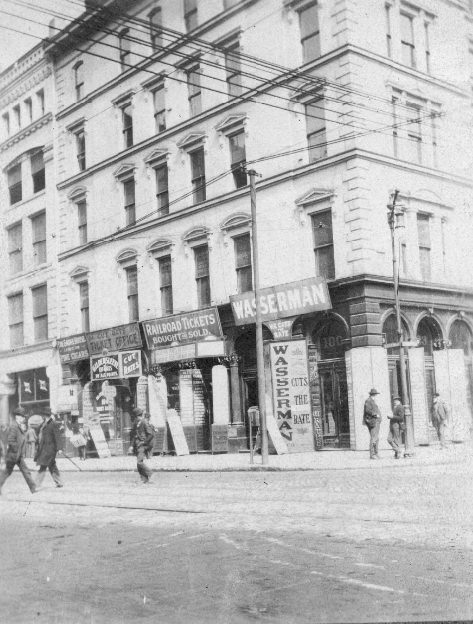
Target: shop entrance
<point x="429" y="336"/>
<point x="394" y="367"/>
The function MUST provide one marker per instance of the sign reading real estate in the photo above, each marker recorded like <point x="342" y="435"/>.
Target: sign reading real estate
<point x="293" y="299"/>
<point x="72" y="348"/>
<point x="291" y="394"/>
<point x="181" y="329"/>
<point x="114" y="339"/>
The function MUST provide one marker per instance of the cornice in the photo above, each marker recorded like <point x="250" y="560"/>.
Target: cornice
<point x="24" y="83"/>
<point x="25" y="349"/>
<point x="24" y="132"/>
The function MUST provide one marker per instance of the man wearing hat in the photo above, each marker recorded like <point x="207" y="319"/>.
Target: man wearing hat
<point x="372" y="419"/>
<point x="396" y="425"/>
<point x="440" y="418"/>
<point x="142" y="438"/>
<point x="48" y="448"/>
<point x="15" y="450"/>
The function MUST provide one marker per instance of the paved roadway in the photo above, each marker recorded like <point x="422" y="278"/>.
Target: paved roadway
<point x="394" y="543"/>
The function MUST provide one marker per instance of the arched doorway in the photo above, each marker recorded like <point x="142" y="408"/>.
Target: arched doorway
<point x="461" y="337"/>
<point x="330" y="339"/>
<point x="429" y="336"/>
<point x="392" y="341"/>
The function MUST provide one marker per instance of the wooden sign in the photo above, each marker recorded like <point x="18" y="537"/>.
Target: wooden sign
<point x="100" y="442"/>
<point x="315" y="399"/>
<point x="177" y="432"/>
<point x="275" y="435"/>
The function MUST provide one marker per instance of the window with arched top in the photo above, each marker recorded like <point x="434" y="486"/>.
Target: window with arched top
<point x="391" y="335"/>
<point x="460" y="337"/>
<point x="330" y="339"/>
<point x="79" y="79"/>
<point x="428" y="333"/>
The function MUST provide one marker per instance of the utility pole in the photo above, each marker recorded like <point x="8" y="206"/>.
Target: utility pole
<point x="409" y="439"/>
<point x="259" y="326"/>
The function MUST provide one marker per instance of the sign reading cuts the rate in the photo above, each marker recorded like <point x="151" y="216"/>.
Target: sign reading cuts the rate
<point x="182" y="329"/>
<point x="281" y="301"/>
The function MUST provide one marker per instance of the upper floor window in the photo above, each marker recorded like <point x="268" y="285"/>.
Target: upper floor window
<point x="15" y="248"/>
<point x="238" y="158"/>
<point x="162" y="190"/>
<point x="414" y="134"/>
<point x="129" y="193"/>
<point x="423" y="234"/>
<point x="310" y="33"/>
<point x="79" y="80"/>
<point x="80" y="148"/>
<point x="40" y="312"/>
<point x="124" y="48"/>
<point x="190" y="14"/>
<point x="14" y="184"/>
<point x="389" y="42"/>
<point x="127" y="125"/>
<point x="15" y="320"/>
<point x="84" y="305"/>
<point x="323" y="244"/>
<point x="17" y="116"/>
<point x="29" y="110"/>
<point x="316" y="129"/>
<point x="202" y="275"/>
<point x="233" y="69"/>
<point x="132" y="293"/>
<point x="243" y="266"/>
<point x="427" y="46"/>
<point x="198" y="174"/>
<point x="38" y="173"/>
<point x="165" y="284"/>
<point x="40" y="100"/>
<point x="194" y="91"/>
<point x="155" y="30"/>
<point x="38" y="224"/>
<point x="159" y="108"/>
<point x="6" y="123"/>
<point x="407" y="40"/>
<point x="82" y="221"/>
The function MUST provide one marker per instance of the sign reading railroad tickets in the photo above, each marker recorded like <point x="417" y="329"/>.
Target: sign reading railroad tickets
<point x="281" y="301"/>
<point x="114" y="338"/>
<point x="181" y="329"/>
<point x="72" y="348"/>
<point x="291" y="394"/>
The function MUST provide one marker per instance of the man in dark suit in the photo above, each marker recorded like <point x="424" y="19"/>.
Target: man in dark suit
<point x="15" y="449"/>
<point x="372" y="419"/>
<point x="396" y="426"/>
<point x="143" y="440"/>
<point x="48" y="448"/>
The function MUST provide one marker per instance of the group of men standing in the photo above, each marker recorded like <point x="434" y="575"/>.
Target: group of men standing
<point x="372" y="419"/>
<point x="45" y="456"/>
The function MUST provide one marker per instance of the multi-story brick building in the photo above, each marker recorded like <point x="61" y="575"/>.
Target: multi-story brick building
<point x="335" y="106"/>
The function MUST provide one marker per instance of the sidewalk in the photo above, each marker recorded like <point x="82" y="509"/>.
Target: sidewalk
<point x="323" y="460"/>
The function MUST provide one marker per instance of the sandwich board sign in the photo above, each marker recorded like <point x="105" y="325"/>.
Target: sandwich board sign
<point x="177" y="432"/>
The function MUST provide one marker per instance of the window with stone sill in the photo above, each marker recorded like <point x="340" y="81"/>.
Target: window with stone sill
<point x="129" y="195"/>
<point x="197" y="159"/>
<point x="423" y="234"/>
<point x="408" y="49"/>
<point x="316" y="129"/>
<point x="159" y="108"/>
<point x="233" y="69"/>
<point x="84" y="305"/>
<point x="29" y="109"/>
<point x="202" y="275"/>
<point x="15" y="319"/>
<point x="309" y="31"/>
<point x="165" y="284"/>
<point x="124" y="48"/>
<point x="79" y="136"/>
<point x="38" y="226"/>
<point x="194" y="91"/>
<point x="38" y="172"/>
<point x="15" y="248"/>
<point x="40" y="312"/>
<point x="132" y="293"/>
<point x="82" y="221"/>
<point x="79" y="80"/>
<point x="243" y="266"/>
<point x="155" y="30"/>
<point x="15" y="184"/>
<point x="190" y="14"/>
<point x="162" y="190"/>
<point x="323" y="244"/>
<point x="127" y="125"/>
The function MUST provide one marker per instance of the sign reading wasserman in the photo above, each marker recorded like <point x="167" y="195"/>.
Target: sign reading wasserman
<point x="281" y="301"/>
<point x="181" y="329"/>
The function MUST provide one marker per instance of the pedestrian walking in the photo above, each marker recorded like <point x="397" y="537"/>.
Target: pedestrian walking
<point x="440" y="418"/>
<point x="48" y="447"/>
<point x="79" y="441"/>
<point x="142" y="440"/>
<point x="396" y="426"/>
<point x="150" y="445"/>
<point x="15" y="449"/>
<point x="31" y="442"/>
<point x="372" y="419"/>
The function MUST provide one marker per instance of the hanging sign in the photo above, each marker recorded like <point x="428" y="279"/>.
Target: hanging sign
<point x="130" y="364"/>
<point x="105" y="367"/>
<point x="281" y="328"/>
<point x="292" y="299"/>
<point x="314" y="384"/>
<point x="291" y="394"/>
<point x="114" y="339"/>
<point x="181" y="329"/>
<point x="72" y="348"/>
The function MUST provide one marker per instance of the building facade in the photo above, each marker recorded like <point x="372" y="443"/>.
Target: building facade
<point x="162" y="107"/>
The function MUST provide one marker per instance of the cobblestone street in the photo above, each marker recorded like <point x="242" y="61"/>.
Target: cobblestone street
<point x="391" y="543"/>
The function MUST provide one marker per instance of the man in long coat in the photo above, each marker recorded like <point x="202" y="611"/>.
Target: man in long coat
<point x="440" y="418"/>
<point x="143" y="437"/>
<point x="396" y="425"/>
<point x="372" y="419"/>
<point x="15" y="449"/>
<point x="48" y="448"/>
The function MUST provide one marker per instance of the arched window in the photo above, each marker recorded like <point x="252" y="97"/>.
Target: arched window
<point x="79" y="79"/>
<point x="460" y="337"/>
<point x="428" y="334"/>
<point x="330" y="339"/>
<point x="391" y="335"/>
<point x="155" y="32"/>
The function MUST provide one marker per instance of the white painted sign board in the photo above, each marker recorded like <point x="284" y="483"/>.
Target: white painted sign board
<point x="177" y="432"/>
<point x="275" y="435"/>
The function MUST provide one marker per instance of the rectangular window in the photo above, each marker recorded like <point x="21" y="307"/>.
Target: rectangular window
<point x="124" y="49"/>
<point x="243" y="266"/>
<point x="427" y="46"/>
<point x="316" y="130"/>
<point x="407" y="40"/>
<point x="38" y="172"/>
<point x="190" y="14"/>
<point x="423" y="233"/>
<point x="202" y="276"/>
<point x="29" y="110"/>
<point x="414" y="134"/>
<point x="84" y="305"/>
<point x="159" y="109"/>
<point x="14" y="184"/>
<point x="132" y="293"/>
<point x="444" y="246"/>
<point x="233" y="69"/>
<point x="198" y="175"/>
<point x="80" y="148"/>
<point x="38" y="225"/>
<point x="17" y="115"/>
<point x="165" y="281"/>
<point x="40" y="312"/>
<point x="323" y="244"/>
<point x="82" y="221"/>
<point x="6" y="123"/>
<point x="15" y="320"/>
<point x="41" y="103"/>
<point x="162" y="190"/>
<point x="15" y="248"/>
<point x="130" y="211"/>
<point x="238" y="159"/>
<point x="127" y="122"/>
<point x="194" y="91"/>
<point x="310" y="34"/>
<point x="389" y="47"/>
<point x="79" y="80"/>
<point x="395" y="102"/>
<point x="155" y="30"/>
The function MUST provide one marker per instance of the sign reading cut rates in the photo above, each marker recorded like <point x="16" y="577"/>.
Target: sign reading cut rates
<point x="281" y="301"/>
<point x="181" y="329"/>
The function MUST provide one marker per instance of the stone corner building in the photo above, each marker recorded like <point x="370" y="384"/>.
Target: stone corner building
<point x="159" y="104"/>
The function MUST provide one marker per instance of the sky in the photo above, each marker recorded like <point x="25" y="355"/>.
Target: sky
<point x="16" y="14"/>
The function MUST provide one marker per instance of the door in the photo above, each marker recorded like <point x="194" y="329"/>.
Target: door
<point x="334" y="405"/>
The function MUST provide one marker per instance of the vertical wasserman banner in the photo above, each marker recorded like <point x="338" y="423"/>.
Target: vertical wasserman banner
<point x="291" y="394"/>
